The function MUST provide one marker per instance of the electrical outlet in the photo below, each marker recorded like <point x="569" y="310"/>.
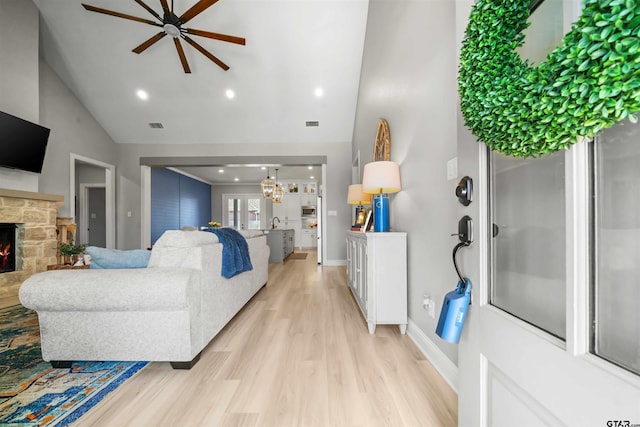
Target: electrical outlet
<point x="429" y="305"/>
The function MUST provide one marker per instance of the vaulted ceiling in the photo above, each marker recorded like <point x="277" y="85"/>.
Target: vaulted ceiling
<point x="293" y="48"/>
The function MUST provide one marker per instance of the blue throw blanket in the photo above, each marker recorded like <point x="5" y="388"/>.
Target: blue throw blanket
<point x="235" y="252"/>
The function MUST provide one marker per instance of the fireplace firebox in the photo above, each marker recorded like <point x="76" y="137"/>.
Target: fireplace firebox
<point x="7" y="247"/>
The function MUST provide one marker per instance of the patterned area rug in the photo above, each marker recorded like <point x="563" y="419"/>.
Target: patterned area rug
<point x="32" y="393"/>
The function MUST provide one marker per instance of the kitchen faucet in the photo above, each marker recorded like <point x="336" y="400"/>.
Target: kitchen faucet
<point x="273" y="222"/>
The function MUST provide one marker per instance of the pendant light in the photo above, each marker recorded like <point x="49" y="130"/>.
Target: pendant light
<point x="278" y="193"/>
<point x="268" y="186"/>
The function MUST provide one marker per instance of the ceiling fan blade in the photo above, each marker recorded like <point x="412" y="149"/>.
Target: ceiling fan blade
<point x="165" y="8"/>
<point x="216" y="36"/>
<point x="144" y="46"/>
<point x="151" y="11"/>
<point x="119" y="15"/>
<point x="206" y="53"/>
<point x="183" y="58"/>
<point x="196" y="9"/>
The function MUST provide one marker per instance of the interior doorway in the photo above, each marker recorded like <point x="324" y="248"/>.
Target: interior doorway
<point x="91" y="173"/>
<point x="92" y="227"/>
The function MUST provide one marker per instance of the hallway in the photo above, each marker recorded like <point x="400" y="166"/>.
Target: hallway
<point x="298" y="354"/>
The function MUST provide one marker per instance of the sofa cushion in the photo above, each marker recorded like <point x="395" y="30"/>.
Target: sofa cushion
<point x="248" y="234"/>
<point x="114" y="258"/>
<point x="185" y="239"/>
<point x="143" y="289"/>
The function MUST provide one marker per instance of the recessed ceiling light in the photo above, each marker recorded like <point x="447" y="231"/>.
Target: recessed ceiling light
<point x="312" y="177"/>
<point x="319" y="92"/>
<point x="142" y="94"/>
<point x="309" y="167"/>
<point x="220" y="170"/>
<point x="236" y="179"/>
<point x="264" y="168"/>
<point x="230" y="94"/>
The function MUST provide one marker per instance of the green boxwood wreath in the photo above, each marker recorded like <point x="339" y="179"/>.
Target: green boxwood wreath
<point x="587" y="84"/>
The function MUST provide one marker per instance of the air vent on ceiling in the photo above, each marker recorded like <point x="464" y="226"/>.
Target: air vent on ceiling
<point x="156" y="126"/>
<point x="312" y="123"/>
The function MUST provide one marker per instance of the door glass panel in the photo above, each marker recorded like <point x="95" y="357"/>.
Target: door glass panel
<point x="528" y="247"/>
<point x="617" y="248"/>
<point x="233" y="212"/>
<point x="244" y="211"/>
<point x="254" y="213"/>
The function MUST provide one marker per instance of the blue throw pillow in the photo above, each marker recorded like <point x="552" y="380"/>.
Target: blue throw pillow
<point x="114" y="258"/>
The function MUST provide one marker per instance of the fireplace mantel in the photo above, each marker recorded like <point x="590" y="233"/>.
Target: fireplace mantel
<point x="30" y="195"/>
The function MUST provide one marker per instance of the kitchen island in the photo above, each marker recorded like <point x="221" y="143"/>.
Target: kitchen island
<point x="281" y="243"/>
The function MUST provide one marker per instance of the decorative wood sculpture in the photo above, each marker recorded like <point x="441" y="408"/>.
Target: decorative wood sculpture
<point x="382" y="145"/>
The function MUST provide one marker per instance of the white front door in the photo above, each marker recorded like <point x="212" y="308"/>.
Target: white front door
<point x="530" y="353"/>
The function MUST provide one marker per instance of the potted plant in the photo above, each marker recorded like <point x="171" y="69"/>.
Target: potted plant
<point x="69" y="251"/>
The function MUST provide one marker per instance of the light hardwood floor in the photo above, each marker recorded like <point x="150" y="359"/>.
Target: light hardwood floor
<point x="298" y="354"/>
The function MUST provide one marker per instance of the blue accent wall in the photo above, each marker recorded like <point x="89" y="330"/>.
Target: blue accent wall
<point x="195" y="202"/>
<point x="177" y="201"/>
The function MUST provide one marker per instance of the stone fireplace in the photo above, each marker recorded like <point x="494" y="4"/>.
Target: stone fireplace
<point x="31" y="220"/>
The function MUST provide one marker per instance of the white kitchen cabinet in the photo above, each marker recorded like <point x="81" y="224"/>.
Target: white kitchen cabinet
<point x="309" y="238"/>
<point x="279" y="210"/>
<point x="290" y="186"/>
<point x="377" y="276"/>
<point x="308" y="200"/>
<point x="292" y="206"/>
<point x="289" y="209"/>
<point x="296" y="226"/>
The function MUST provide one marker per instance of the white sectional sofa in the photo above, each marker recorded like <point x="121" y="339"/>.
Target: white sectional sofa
<point x="168" y="311"/>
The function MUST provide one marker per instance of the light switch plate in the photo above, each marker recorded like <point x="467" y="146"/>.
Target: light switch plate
<point x="452" y="168"/>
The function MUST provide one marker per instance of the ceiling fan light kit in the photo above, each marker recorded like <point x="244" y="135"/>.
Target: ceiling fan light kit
<point x="172" y="25"/>
<point x="171" y="30"/>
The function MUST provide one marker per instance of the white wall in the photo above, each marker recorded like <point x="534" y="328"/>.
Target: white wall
<point x="19" y="77"/>
<point x="31" y="90"/>
<point x="409" y="78"/>
<point x="19" y="65"/>
<point x="73" y="130"/>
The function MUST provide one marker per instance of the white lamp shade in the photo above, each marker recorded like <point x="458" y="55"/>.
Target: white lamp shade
<point x="381" y="177"/>
<point x="356" y="196"/>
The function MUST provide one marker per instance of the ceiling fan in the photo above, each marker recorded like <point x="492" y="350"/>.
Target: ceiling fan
<point x="172" y="25"/>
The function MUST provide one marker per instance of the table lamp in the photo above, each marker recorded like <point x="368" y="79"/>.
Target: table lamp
<point x="357" y="197"/>
<point x="381" y="178"/>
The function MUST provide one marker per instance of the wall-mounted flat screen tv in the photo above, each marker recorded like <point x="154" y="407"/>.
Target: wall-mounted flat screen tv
<point x="22" y="144"/>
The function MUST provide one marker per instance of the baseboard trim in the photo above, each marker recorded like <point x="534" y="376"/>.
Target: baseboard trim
<point x="335" y="262"/>
<point x="438" y="359"/>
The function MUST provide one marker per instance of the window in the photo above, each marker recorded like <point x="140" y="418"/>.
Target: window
<point x="616" y="250"/>
<point x="528" y="245"/>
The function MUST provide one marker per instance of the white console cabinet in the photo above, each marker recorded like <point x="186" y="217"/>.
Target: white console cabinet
<point x="377" y="276"/>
